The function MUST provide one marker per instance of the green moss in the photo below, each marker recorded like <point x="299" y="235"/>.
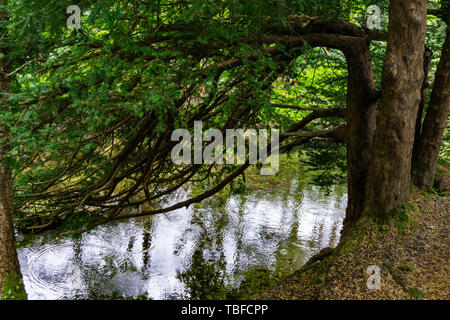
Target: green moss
<point x="415" y="293"/>
<point x="347" y="247"/>
<point x="430" y="191"/>
<point x="394" y="273"/>
<point x="402" y="217"/>
<point x="315" y="280"/>
<point x="13" y="288"/>
<point x="358" y="236"/>
<point x="406" y="267"/>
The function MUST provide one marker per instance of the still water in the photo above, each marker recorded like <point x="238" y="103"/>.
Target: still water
<point x="231" y="246"/>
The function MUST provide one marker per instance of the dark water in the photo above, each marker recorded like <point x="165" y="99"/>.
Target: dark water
<point x="229" y="247"/>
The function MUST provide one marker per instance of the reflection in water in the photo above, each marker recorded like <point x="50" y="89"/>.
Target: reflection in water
<point x="229" y="247"/>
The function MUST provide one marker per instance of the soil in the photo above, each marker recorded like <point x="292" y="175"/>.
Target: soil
<point x="412" y="256"/>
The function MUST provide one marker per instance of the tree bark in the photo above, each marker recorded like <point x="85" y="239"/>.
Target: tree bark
<point x="390" y="168"/>
<point x="424" y="97"/>
<point x="361" y="118"/>
<point x="361" y="114"/>
<point x="429" y="143"/>
<point x="11" y="284"/>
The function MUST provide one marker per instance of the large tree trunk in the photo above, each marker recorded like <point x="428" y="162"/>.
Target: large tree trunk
<point x="390" y="168"/>
<point x="427" y="148"/>
<point x="11" y="285"/>
<point x="361" y="119"/>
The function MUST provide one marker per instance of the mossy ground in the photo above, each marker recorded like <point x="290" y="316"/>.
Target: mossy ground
<point x="13" y="288"/>
<point x="412" y="254"/>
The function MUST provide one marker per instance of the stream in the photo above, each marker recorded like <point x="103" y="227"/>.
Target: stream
<point x="231" y="246"/>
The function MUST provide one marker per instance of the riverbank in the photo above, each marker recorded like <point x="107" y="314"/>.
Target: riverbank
<point x="412" y="255"/>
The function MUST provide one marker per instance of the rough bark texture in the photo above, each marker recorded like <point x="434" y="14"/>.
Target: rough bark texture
<point x="427" y="150"/>
<point x="390" y="168"/>
<point x="361" y="117"/>
<point x="424" y="97"/>
<point x="11" y="285"/>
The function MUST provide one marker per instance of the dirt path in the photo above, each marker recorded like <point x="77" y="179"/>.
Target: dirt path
<point x="412" y="256"/>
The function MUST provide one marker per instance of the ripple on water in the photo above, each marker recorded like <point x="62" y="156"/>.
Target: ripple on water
<point x="52" y="269"/>
<point x="140" y="256"/>
<point x="60" y="270"/>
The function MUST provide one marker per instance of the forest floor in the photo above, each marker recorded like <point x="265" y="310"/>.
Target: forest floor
<point x="412" y="255"/>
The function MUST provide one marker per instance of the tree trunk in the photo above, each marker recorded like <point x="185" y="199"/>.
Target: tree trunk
<point x="11" y="284"/>
<point x="427" y="151"/>
<point x="424" y="97"/>
<point x="361" y="115"/>
<point x="361" y="119"/>
<point x="390" y="168"/>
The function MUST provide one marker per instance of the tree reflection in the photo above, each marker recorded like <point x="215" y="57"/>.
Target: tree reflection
<point x="231" y="246"/>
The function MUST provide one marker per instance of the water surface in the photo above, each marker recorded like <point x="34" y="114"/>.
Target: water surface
<point x="227" y="247"/>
